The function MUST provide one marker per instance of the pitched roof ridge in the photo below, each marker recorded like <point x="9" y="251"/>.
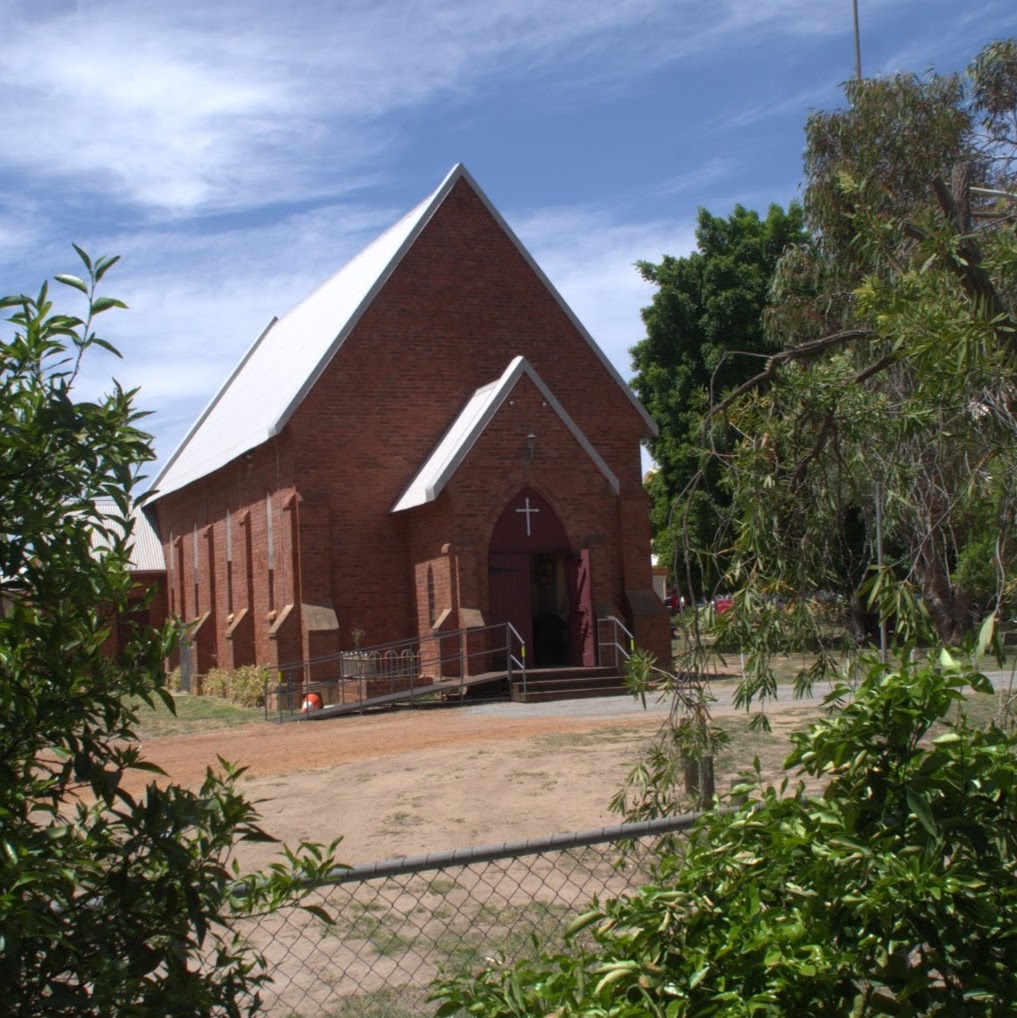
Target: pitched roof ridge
<point x="361" y="254"/>
<point x="562" y="303"/>
<point x="318" y="349"/>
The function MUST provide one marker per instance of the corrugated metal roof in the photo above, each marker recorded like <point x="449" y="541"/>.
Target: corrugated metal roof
<point x="455" y="445"/>
<point x="287" y="359"/>
<point x="146" y="552"/>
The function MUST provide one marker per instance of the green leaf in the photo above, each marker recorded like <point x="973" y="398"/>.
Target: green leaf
<point x="920" y="807"/>
<point x="101" y="304"/>
<point x="698" y="976"/>
<point x="107" y="346"/>
<point x="582" y="922"/>
<point x="74" y="281"/>
<point x="84" y="257"/>
<point x="320" y="913"/>
<point x="985" y="632"/>
<point x="103" y="265"/>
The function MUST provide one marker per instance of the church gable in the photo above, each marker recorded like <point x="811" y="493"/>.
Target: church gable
<point x="279" y="371"/>
<point x="470" y="424"/>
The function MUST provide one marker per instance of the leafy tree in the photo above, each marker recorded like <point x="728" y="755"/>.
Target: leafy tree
<point x="894" y="136"/>
<point x="704" y="335"/>
<point x="891" y="393"/>
<point x="110" y="904"/>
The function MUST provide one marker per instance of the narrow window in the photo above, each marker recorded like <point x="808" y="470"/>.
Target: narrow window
<point x="229" y="562"/>
<point x="432" y="613"/>
<point x="271" y="552"/>
<point x="194" y="549"/>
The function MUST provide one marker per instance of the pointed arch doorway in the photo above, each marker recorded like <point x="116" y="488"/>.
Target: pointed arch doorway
<point x="540" y="584"/>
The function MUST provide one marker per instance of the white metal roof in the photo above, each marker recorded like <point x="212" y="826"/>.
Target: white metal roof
<point x="146" y="549"/>
<point x="287" y="359"/>
<point x="468" y="426"/>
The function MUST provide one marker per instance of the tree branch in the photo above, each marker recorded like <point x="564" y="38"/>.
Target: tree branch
<point x="966" y="264"/>
<point x="793" y="353"/>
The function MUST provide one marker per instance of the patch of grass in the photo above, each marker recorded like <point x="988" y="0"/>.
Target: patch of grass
<point x="441" y="885"/>
<point x="504" y="929"/>
<point x="376" y="923"/>
<point x="396" y="823"/>
<point x="580" y="740"/>
<point x="195" y="715"/>
<point x="746" y="743"/>
<point x="531" y="778"/>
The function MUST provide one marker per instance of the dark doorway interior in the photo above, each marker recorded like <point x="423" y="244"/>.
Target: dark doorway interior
<point x="549" y="608"/>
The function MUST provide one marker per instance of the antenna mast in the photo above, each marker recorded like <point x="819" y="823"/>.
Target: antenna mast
<point x="858" y="45"/>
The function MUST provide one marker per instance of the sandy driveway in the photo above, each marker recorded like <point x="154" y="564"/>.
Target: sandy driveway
<point x="415" y="781"/>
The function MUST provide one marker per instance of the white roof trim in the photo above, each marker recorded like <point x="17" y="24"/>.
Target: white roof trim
<point x="455" y="445"/>
<point x="262" y="393"/>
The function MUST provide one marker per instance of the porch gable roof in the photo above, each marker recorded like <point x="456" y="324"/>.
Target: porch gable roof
<point x="455" y="445"/>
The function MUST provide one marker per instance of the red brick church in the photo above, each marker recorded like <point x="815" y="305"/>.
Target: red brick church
<point x="429" y="442"/>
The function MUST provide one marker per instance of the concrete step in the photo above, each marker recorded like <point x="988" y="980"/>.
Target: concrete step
<point x="568" y="684"/>
<point x="575" y="693"/>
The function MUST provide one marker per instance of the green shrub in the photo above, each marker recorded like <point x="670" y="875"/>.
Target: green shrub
<point x="111" y="902"/>
<point x="244" y="686"/>
<point x="891" y="893"/>
<point x="215" y="683"/>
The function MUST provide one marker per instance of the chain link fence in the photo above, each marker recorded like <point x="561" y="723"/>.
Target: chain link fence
<point x="398" y="925"/>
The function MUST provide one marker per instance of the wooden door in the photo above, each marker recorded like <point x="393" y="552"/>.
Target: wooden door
<point x="509" y="577"/>
<point x="582" y="624"/>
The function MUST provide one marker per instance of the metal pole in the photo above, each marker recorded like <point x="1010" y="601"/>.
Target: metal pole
<point x="879" y="563"/>
<point x="858" y="45"/>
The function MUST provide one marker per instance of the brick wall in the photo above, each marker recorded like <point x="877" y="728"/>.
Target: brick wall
<point x="234" y="574"/>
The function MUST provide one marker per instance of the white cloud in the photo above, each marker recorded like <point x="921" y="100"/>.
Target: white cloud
<point x="193" y="106"/>
<point x="228" y="104"/>
<point x="708" y="174"/>
<point x="178" y="119"/>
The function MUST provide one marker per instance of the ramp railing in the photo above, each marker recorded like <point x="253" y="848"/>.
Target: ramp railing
<point x="615" y="643"/>
<point x="438" y="667"/>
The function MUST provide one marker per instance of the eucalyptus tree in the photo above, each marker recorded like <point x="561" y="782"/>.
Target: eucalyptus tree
<point x="891" y="394"/>
<point x="888" y="891"/>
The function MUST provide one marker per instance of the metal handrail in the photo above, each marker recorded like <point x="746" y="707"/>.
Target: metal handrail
<point x="396" y="660"/>
<point x="510" y="631"/>
<point x="624" y="650"/>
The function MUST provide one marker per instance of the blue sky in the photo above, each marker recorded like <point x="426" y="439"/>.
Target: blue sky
<point x="235" y="153"/>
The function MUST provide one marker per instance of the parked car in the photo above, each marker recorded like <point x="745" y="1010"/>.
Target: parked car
<point x="723" y="603"/>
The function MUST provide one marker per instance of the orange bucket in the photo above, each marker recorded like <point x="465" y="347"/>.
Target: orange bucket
<point x="311" y="702"/>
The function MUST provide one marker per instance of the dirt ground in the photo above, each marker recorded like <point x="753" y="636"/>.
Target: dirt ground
<point x="419" y="781"/>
